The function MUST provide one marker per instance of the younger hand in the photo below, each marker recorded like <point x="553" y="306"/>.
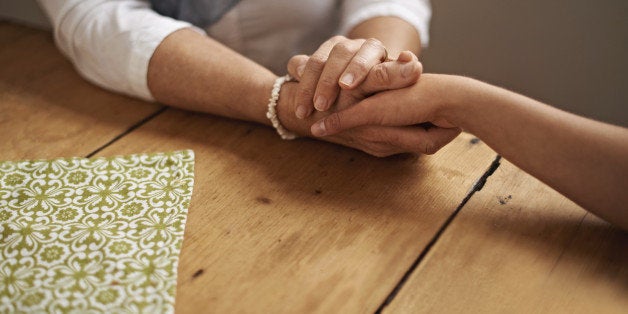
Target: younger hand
<point x="421" y="103"/>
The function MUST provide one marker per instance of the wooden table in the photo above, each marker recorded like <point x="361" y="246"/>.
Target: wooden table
<point x="305" y="226"/>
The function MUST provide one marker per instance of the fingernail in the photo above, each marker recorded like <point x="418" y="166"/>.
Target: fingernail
<point x="318" y="129"/>
<point x="347" y="79"/>
<point x="300" y="70"/>
<point x="320" y="103"/>
<point x="407" y="69"/>
<point x="301" y="112"/>
<point x="405" y="56"/>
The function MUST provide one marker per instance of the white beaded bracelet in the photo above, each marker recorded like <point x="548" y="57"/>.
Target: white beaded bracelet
<point x="271" y="114"/>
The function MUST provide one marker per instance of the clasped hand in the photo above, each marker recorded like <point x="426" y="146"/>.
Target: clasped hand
<point x="342" y="73"/>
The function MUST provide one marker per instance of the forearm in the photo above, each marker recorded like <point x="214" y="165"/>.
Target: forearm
<point x="396" y="34"/>
<point x="191" y="71"/>
<point x="583" y="159"/>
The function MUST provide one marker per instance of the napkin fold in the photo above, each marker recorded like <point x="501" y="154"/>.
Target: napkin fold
<point x="93" y="235"/>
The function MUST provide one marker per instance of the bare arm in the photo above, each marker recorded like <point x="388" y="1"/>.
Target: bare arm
<point x="585" y="160"/>
<point x="194" y="72"/>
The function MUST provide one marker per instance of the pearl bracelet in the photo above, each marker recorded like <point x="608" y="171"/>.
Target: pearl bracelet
<point x="271" y="114"/>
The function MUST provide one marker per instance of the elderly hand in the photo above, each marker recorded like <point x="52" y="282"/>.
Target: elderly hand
<point x="424" y="102"/>
<point x="338" y="62"/>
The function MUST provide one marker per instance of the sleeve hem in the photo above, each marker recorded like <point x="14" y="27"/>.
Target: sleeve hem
<point x="419" y="20"/>
<point x="143" y="49"/>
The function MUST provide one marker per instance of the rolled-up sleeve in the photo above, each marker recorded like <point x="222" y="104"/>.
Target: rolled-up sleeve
<point x="415" y="12"/>
<point x="110" y="42"/>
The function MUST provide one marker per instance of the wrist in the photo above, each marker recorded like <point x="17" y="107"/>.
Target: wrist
<point x="254" y="103"/>
<point x="272" y="114"/>
<point x="457" y="102"/>
<point x="285" y="111"/>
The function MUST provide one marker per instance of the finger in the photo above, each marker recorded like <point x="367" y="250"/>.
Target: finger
<point x="371" y="53"/>
<point x="390" y="75"/>
<point x="296" y="66"/>
<point x="327" y="87"/>
<point x="383" y="141"/>
<point x="311" y="74"/>
<point x="385" y="108"/>
<point x="409" y="139"/>
<point x="343" y="120"/>
<point x="406" y="56"/>
<point x="366" y="140"/>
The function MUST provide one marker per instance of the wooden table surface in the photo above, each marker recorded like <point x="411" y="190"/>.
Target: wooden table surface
<point x="305" y="226"/>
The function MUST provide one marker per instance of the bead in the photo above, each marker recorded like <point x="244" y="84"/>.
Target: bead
<point x="271" y="114"/>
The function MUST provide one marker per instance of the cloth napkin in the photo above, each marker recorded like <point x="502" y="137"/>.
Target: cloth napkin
<point x="93" y="235"/>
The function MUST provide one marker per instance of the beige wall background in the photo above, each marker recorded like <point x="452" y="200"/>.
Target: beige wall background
<point x="572" y="54"/>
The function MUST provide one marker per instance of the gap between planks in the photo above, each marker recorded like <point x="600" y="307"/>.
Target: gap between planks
<point x="477" y="186"/>
<point x="127" y="131"/>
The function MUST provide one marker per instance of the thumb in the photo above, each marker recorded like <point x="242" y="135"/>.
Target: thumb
<point x="391" y="75"/>
<point x="389" y="108"/>
<point x="358" y="115"/>
<point x="296" y="66"/>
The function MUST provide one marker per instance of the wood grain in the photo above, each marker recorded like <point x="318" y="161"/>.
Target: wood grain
<point x="301" y="226"/>
<point x="520" y="247"/>
<point x="46" y="109"/>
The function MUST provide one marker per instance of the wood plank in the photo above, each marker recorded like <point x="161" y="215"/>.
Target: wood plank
<point x="46" y="109"/>
<point x="301" y="226"/>
<point x="520" y="247"/>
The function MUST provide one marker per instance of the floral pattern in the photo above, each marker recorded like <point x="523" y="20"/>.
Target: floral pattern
<point x="93" y="235"/>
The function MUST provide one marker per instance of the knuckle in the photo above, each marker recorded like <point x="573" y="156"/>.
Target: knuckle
<point x="332" y="123"/>
<point x="293" y="61"/>
<point x="343" y="48"/>
<point x="361" y="64"/>
<point x="304" y="94"/>
<point x="373" y="42"/>
<point x="429" y="147"/>
<point x="327" y="81"/>
<point x="372" y="142"/>
<point x="382" y="76"/>
<point x="380" y="144"/>
<point x="297" y="59"/>
<point x="337" y="38"/>
<point x="317" y="62"/>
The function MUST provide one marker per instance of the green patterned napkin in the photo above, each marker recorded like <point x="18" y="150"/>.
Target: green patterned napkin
<point x="93" y="235"/>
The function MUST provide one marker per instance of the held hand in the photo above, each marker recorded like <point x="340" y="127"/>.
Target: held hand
<point x="375" y="140"/>
<point x="421" y="103"/>
<point x="338" y="62"/>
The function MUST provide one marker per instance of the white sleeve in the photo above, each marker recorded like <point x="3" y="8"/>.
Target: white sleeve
<point x="415" y="12"/>
<point x="110" y="42"/>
